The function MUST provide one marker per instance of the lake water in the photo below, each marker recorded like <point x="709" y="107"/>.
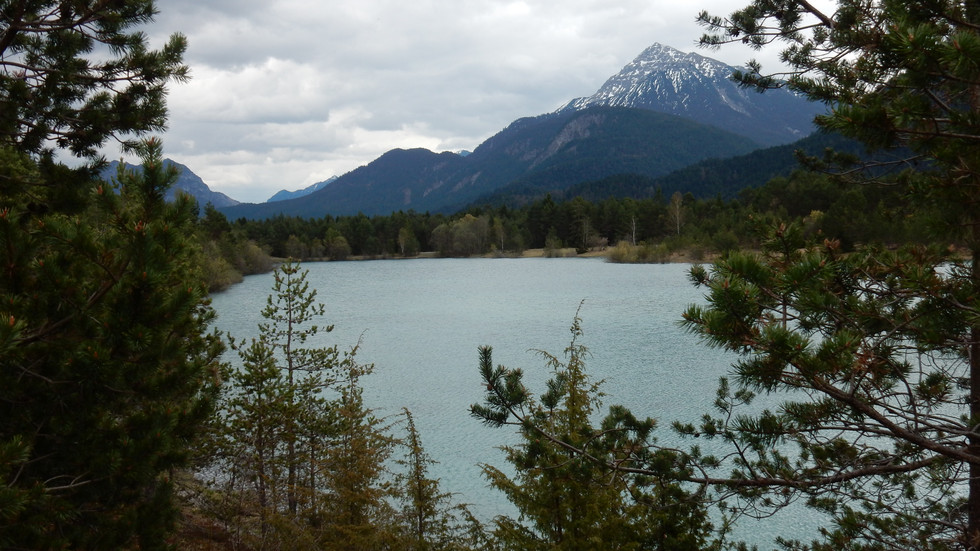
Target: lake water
<point x="420" y="323"/>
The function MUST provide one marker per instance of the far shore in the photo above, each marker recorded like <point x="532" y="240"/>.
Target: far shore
<point x="679" y="257"/>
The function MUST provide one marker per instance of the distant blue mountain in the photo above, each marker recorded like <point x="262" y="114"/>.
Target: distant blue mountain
<point x="283" y="195"/>
<point x="554" y="150"/>
<point x="188" y="182"/>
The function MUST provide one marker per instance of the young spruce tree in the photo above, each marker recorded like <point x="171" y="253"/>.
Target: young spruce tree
<point x="564" y="489"/>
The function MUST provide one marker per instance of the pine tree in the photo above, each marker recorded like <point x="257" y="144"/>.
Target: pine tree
<point x="290" y="311"/>
<point x="104" y="357"/>
<point x="56" y="93"/>
<point x="866" y="347"/>
<point x="107" y="360"/>
<point x="878" y="350"/>
<point x="903" y="77"/>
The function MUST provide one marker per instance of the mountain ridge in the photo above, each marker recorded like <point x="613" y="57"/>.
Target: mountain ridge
<point x="284" y="194"/>
<point x="557" y="149"/>
<point x="664" y="110"/>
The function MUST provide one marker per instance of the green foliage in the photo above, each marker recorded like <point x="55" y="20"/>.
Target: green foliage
<point x="465" y="236"/>
<point x="854" y="215"/>
<point x="880" y="345"/>
<point x="274" y="414"/>
<point x="430" y="519"/>
<point x="567" y="494"/>
<point x="301" y="460"/>
<point x="228" y="254"/>
<point x="862" y="344"/>
<point x="54" y="92"/>
<point x="108" y="369"/>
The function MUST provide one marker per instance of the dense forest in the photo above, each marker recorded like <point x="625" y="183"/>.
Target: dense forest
<point x="653" y="229"/>
<point x="127" y="422"/>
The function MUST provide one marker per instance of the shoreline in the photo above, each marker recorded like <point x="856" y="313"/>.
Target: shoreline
<point x="679" y="257"/>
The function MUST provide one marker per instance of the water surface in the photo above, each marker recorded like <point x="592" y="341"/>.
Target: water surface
<point x="420" y="323"/>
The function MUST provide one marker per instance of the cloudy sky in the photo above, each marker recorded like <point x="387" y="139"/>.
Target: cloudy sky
<point x="287" y="93"/>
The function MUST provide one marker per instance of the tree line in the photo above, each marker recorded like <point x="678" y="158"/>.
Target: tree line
<point x="651" y="228"/>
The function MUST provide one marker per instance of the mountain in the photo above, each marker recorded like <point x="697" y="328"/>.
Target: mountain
<point x="716" y="177"/>
<point x="669" y="81"/>
<point x="187" y="182"/>
<point x="556" y="150"/>
<point x="664" y="111"/>
<point x="282" y="195"/>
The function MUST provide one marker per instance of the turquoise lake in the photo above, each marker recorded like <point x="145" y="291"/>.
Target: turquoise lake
<point x="420" y="323"/>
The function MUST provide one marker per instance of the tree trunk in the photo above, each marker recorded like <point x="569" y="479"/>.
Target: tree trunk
<point x="973" y="500"/>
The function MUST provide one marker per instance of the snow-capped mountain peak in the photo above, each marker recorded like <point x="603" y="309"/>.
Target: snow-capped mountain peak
<point x="690" y="85"/>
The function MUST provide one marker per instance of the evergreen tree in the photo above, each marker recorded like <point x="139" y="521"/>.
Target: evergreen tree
<point x="275" y="416"/>
<point x="564" y="489"/>
<point x="900" y="75"/>
<point x="250" y="453"/>
<point x="869" y="349"/>
<point x="55" y="92"/>
<point x="106" y="358"/>
<point x="431" y="522"/>
<point x="356" y="511"/>
<point x="290" y="311"/>
<point x="879" y="350"/>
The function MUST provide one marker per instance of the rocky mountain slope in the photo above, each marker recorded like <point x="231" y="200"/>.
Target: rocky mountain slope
<point x="664" y="111"/>
<point x="689" y="85"/>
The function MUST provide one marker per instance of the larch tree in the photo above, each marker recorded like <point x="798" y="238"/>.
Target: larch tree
<point x="106" y="367"/>
<point x="429" y="519"/>
<point x="275" y="417"/>
<point x="356" y="511"/>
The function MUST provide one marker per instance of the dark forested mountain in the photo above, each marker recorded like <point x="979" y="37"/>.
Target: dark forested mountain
<point x="282" y="195"/>
<point x="556" y="150"/>
<point x="704" y="179"/>
<point x="187" y="182"/>
<point x="727" y="177"/>
<point x="690" y="85"/>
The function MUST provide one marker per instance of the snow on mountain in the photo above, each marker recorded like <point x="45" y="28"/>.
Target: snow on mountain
<point x="669" y="81"/>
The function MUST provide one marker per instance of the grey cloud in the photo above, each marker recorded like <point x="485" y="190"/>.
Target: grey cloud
<point x="294" y="90"/>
